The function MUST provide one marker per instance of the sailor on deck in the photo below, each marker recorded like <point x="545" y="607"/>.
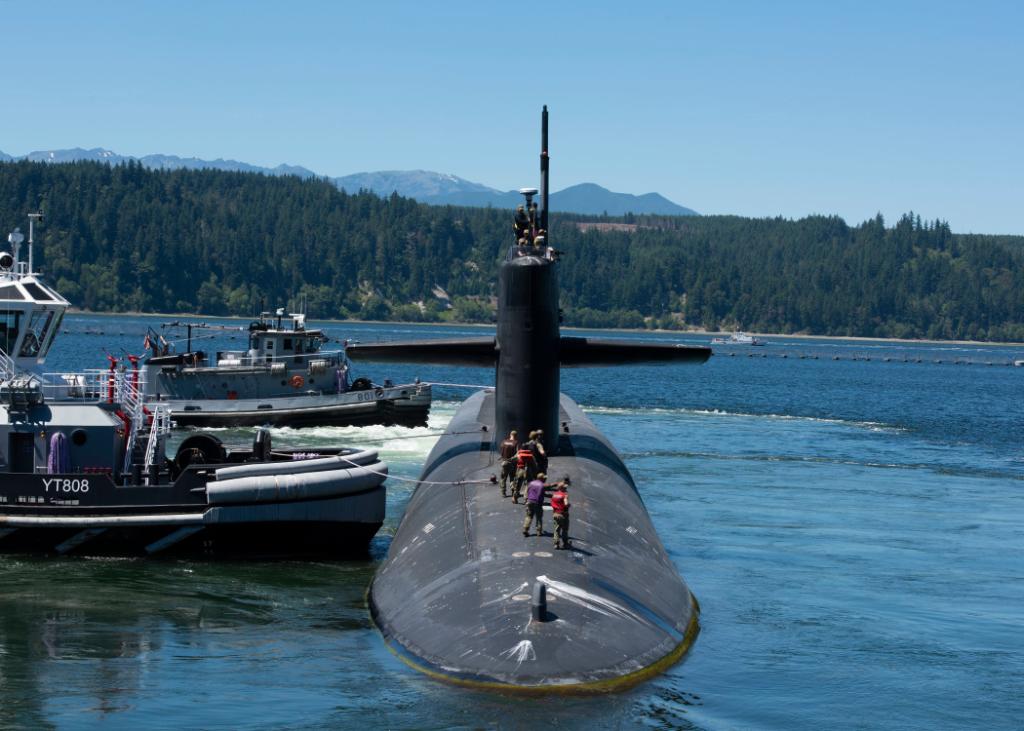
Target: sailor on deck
<point x="526" y="468"/>
<point x="535" y="445"/>
<point x="507" y="451"/>
<point x="560" y="513"/>
<point x="535" y="504"/>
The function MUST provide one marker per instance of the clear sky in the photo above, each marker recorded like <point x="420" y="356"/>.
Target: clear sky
<point x="749" y="108"/>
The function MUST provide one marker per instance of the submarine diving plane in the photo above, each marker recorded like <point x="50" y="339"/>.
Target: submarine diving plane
<point x="462" y="595"/>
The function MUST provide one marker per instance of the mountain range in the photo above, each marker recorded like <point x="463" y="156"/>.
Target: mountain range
<point x="422" y="185"/>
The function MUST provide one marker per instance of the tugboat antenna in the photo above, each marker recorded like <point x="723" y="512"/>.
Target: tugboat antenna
<point x="32" y="218"/>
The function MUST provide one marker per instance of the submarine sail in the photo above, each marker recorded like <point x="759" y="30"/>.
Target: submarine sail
<point x="463" y="594"/>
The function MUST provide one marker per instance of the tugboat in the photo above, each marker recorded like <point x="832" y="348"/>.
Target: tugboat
<point x="83" y="467"/>
<point x="283" y="378"/>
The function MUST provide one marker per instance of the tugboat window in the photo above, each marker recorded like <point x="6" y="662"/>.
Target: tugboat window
<point x="54" y="329"/>
<point x="10" y="328"/>
<point x="36" y="291"/>
<point x="35" y="335"/>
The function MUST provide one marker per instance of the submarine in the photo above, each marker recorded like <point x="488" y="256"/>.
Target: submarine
<point x="462" y="595"/>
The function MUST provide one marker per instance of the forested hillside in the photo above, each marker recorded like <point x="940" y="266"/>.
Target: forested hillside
<point x="128" y="238"/>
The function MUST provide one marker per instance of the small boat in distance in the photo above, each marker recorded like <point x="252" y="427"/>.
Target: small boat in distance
<point x="738" y="338"/>
<point x="283" y="378"/>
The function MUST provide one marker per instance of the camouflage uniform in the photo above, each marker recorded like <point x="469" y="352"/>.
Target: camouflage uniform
<point x="540" y="456"/>
<point x="507" y="452"/>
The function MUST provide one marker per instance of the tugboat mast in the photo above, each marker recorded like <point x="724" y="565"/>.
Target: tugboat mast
<point x="32" y="218"/>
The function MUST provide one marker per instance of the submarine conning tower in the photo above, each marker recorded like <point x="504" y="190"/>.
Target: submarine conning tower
<point x="527" y="378"/>
<point x="527" y="384"/>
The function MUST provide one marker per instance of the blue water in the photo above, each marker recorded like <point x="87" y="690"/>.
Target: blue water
<point x="852" y="528"/>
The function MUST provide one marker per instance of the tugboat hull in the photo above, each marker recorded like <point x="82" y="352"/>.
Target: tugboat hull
<point x="338" y="527"/>
<point x="397" y="406"/>
<point x="209" y="500"/>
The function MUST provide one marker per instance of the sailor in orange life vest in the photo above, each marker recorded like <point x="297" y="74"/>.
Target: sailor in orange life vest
<point x="560" y="512"/>
<point x="507" y="452"/>
<point x="526" y="468"/>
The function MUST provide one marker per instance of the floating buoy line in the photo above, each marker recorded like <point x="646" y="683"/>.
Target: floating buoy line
<point x="785" y="355"/>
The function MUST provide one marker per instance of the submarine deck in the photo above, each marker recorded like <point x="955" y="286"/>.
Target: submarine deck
<point x="454" y="596"/>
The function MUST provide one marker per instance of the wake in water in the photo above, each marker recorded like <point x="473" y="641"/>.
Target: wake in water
<point x="658" y="411"/>
<point x="940" y="469"/>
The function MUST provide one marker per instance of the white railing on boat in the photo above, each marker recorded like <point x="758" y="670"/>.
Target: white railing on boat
<point x="8" y="368"/>
<point x="93" y="385"/>
<point x="125" y="388"/>
<point x="245" y="359"/>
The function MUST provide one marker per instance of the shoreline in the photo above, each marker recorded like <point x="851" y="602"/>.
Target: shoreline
<point x="702" y="333"/>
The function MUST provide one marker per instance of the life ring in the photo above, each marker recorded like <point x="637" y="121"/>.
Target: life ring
<point x="298" y="381"/>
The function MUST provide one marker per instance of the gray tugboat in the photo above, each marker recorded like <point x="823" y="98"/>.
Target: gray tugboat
<point x="83" y="467"/>
<point x="463" y="595"/>
<point x="284" y="378"/>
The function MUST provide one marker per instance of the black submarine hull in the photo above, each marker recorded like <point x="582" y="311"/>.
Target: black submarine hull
<point x="463" y="595"/>
<point x="454" y="597"/>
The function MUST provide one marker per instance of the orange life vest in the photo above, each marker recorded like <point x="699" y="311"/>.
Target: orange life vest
<point x="558" y="501"/>
<point x="523" y="456"/>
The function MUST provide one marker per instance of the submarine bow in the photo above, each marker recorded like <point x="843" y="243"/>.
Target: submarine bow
<point x="463" y="594"/>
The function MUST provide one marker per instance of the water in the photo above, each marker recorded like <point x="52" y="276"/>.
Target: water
<point x="853" y="530"/>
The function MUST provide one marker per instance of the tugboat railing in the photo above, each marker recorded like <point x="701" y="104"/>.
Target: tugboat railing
<point x="8" y="369"/>
<point x="91" y="385"/>
<point x="121" y="388"/>
<point x="244" y="359"/>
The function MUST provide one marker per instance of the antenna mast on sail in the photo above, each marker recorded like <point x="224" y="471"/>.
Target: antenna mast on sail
<point x="544" y="169"/>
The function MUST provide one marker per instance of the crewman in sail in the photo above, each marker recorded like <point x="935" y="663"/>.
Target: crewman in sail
<point x="521" y="224"/>
<point x="560" y="513"/>
<point x="507" y="451"/>
<point x="526" y="468"/>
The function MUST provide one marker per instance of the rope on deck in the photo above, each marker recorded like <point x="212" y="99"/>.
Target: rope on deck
<point x="422" y="482"/>
<point x="460" y="385"/>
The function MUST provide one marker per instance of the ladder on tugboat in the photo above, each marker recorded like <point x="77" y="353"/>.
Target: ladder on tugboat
<point x="158" y="431"/>
<point x="130" y="397"/>
<point x="131" y="403"/>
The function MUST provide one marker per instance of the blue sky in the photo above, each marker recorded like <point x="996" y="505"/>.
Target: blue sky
<point x="748" y="108"/>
